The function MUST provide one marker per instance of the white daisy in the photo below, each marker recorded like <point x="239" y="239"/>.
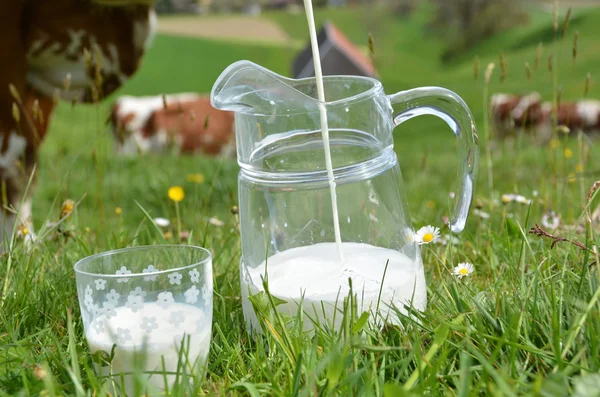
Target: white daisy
<point x="507" y="198"/>
<point x="522" y="199"/>
<point x="216" y="221"/>
<point x="551" y="220"/>
<point x="427" y="234"/>
<point x="463" y="270"/>
<point x="162" y="222"/>
<point x="446" y="239"/>
<point x="481" y="214"/>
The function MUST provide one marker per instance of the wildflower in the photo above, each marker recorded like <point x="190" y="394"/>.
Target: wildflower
<point x="195" y="178"/>
<point x="481" y="214"/>
<point x="118" y="211"/>
<point x="554" y="143"/>
<point x="463" y="270"/>
<point x="67" y="208"/>
<point x="507" y="198"/>
<point x="216" y="222"/>
<point x="522" y="199"/>
<point x="87" y="229"/>
<point x="427" y="234"/>
<point x="571" y="178"/>
<point x="452" y="195"/>
<point x="579" y="168"/>
<point x="176" y="193"/>
<point x="168" y="235"/>
<point x="551" y="220"/>
<point x="510" y="197"/>
<point x="568" y="153"/>
<point x="23" y="231"/>
<point x="431" y="204"/>
<point x="39" y="372"/>
<point x="446" y="239"/>
<point x="535" y="193"/>
<point x="162" y="222"/>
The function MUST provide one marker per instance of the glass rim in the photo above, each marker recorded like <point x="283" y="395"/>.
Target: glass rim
<point x="140" y="248"/>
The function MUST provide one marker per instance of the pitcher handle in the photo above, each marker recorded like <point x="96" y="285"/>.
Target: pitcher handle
<point x="451" y="108"/>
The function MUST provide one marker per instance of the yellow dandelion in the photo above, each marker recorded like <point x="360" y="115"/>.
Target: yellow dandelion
<point x="431" y="204"/>
<point x="554" y="143"/>
<point x="168" y="235"/>
<point x="579" y="168"/>
<point x="176" y="193"/>
<point x="568" y="153"/>
<point x="67" y="208"/>
<point x="195" y="178"/>
<point x="118" y="211"/>
<point x="571" y="178"/>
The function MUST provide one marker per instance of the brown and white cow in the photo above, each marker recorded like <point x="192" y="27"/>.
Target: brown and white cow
<point x="186" y="122"/>
<point x="511" y="113"/>
<point x="582" y="115"/>
<point x="70" y="49"/>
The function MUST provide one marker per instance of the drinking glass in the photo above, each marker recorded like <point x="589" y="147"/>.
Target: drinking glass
<point x="153" y="304"/>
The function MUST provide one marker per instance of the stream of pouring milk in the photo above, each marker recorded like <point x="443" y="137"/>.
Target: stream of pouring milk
<point x="324" y="125"/>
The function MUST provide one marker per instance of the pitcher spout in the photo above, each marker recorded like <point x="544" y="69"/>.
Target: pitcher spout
<point x="246" y="87"/>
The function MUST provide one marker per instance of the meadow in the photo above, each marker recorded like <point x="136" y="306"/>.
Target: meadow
<point x="526" y="322"/>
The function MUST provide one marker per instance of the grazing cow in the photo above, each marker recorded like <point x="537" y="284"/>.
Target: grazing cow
<point x="79" y="50"/>
<point x="188" y="122"/>
<point x="511" y="113"/>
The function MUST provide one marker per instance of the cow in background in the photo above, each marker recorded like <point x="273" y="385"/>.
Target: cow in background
<point x="186" y="122"/>
<point x="79" y="50"/>
<point x="512" y="113"/>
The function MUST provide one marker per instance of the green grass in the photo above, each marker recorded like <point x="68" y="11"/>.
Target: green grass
<point x="525" y="323"/>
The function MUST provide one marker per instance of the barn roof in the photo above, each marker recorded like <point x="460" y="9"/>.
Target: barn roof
<point x="338" y="56"/>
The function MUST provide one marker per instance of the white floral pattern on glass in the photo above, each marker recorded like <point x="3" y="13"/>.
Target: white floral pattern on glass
<point x="150" y="269"/>
<point x="176" y="318"/>
<point x="100" y="284"/>
<point x="123" y="270"/>
<point x="138" y="292"/>
<point x="98" y="326"/>
<point x="113" y="297"/>
<point x="175" y="278"/>
<point x="88" y="291"/>
<point x="206" y="297"/>
<point x="123" y="335"/>
<point x="134" y="302"/>
<point x="165" y="299"/>
<point x="191" y="295"/>
<point x="97" y="311"/>
<point x="195" y="276"/>
<point x="109" y="310"/>
<point x="89" y="302"/>
<point x="149" y="324"/>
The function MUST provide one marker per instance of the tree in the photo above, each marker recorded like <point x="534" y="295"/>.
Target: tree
<point x="463" y="23"/>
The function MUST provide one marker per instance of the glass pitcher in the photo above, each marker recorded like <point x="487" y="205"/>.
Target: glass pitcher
<point x="286" y="217"/>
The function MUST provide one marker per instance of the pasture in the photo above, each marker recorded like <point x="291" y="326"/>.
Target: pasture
<point x="526" y="322"/>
